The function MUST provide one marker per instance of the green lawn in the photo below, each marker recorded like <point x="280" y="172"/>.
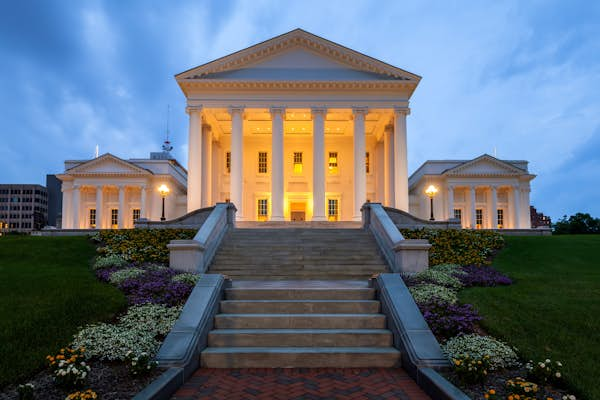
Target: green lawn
<point x="47" y="290"/>
<point x="553" y="309"/>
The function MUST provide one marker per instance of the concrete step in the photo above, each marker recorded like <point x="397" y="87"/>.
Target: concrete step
<point x="300" y="338"/>
<point x="299" y="321"/>
<point x="326" y="293"/>
<point x="300" y="307"/>
<point x="299" y="357"/>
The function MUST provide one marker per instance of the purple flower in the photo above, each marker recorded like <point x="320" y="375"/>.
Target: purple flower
<point x="447" y="320"/>
<point x="105" y="273"/>
<point x="156" y="286"/>
<point x="483" y="276"/>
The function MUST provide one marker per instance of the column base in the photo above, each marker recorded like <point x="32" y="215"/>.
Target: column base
<point x="276" y="218"/>
<point x="357" y="218"/>
<point x="318" y="218"/>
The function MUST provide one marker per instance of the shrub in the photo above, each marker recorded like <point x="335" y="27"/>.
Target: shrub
<point x="475" y="275"/>
<point x="112" y="342"/>
<point x="425" y="292"/>
<point x="439" y="276"/>
<point x="141" y="245"/>
<point x="109" y="261"/>
<point x="118" y="277"/>
<point x="140" y="364"/>
<point x="471" y="370"/>
<point x="458" y="246"/>
<point x="68" y="368"/>
<point x="156" y="287"/>
<point x="85" y="395"/>
<point x="521" y="388"/>
<point x="157" y="319"/>
<point x="187" y="277"/>
<point x="546" y="371"/>
<point x="477" y="347"/>
<point x="447" y="320"/>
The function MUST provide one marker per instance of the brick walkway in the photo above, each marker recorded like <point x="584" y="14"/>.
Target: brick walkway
<point x="301" y="383"/>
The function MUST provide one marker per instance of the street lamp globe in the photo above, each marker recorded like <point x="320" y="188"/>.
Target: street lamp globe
<point x="431" y="192"/>
<point x="164" y="191"/>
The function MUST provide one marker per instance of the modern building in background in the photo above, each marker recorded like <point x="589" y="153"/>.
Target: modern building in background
<point x="108" y="192"/>
<point x="53" y="185"/>
<point x="23" y="207"/>
<point x="484" y="193"/>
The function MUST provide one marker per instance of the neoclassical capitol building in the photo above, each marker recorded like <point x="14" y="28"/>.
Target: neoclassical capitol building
<point x="300" y="128"/>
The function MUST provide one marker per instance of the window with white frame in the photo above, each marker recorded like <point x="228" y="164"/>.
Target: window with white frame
<point x="478" y="218"/>
<point x="135" y="214"/>
<point x="262" y="209"/>
<point x="297" y="163"/>
<point x="114" y="218"/>
<point x="500" y="213"/>
<point x="332" y="209"/>
<point x="262" y="162"/>
<point x="458" y="214"/>
<point x="333" y="162"/>
<point x="92" y="218"/>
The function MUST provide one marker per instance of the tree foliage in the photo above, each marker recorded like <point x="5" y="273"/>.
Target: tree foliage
<point x="578" y="223"/>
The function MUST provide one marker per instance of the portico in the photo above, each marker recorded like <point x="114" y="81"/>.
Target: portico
<point x="297" y="127"/>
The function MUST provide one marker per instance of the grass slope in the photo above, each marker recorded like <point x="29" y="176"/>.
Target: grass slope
<point x="47" y="291"/>
<point x="553" y="309"/>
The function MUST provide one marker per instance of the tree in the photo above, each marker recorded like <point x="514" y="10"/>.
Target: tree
<point x="578" y="223"/>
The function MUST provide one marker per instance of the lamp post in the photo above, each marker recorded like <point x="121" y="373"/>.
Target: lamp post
<point x="164" y="191"/>
<point x="431" y="191"/>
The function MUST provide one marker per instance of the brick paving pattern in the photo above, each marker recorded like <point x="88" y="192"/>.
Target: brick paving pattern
<point x="301" y="384"/>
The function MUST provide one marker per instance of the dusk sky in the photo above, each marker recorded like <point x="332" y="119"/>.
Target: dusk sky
<point x="521" y="79"/>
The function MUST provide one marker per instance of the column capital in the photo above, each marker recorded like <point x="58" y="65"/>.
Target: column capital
<point x="76" y="186"/>
<point x="236" y="109"/>
<point x="318" y="111"/>
<point x="99" y="187"/>
<point x="493" y="188"/>
<point x="450" y="187"/>
<point x="193" y="109"/>
<point x="401" y="111"/>
<point x="277" y="110"/>
<point x="360" y="110"/>
<point x="516" y="187"/>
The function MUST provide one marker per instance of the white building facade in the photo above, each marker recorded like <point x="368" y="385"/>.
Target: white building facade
<point x="297" y="128"/>
<point x="484" y="193"/>
<point x="108" y="192"/>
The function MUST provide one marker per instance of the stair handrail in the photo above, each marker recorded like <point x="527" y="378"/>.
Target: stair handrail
<point x="406" y="256"/>
<point x="195" y="255"/>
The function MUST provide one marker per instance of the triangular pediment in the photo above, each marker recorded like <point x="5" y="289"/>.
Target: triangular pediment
<point x="297" y="55"/>
<point x="107" y="164"/>
<point x="485" y="165"/>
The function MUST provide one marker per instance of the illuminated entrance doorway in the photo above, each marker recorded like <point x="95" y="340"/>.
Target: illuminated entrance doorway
<point x="298" y="211"/>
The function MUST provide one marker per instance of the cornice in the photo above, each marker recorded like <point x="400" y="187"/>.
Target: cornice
<point x="297" y="85"/>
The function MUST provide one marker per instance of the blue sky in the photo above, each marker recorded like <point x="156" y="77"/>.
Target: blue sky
<point x="519" y="77"/>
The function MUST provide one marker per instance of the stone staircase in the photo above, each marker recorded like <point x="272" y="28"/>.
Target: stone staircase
<point x="277" y="324"/>
<point x="298" y="253"/>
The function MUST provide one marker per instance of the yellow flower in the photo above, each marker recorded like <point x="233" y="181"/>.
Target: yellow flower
<point x="487" y="396"/>
<point x="492" y="391"/>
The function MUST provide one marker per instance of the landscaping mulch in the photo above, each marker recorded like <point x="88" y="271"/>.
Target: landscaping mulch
<point x="497" y="380"/>
<point x="111" y="381"/>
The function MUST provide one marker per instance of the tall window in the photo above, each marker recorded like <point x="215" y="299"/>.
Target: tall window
<point x="135" y="214"/>
<point x="298" y="163"/>
<point x="478" y="218"/>
<point x="228" y="162"/>
<point x="114" y="218"/>
<point x="367" y="163"/>
<point x="92" y="217"/>
<point x="333" y="162"/>
<point x="500" y="218"/>
<point x="262" y="209"/>
<point x="262" y="162"/>
<point x="458" y="214"/>
<point x="332" y="209"/>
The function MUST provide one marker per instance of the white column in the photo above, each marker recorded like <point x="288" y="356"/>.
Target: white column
<point x="400" y="159"/>
<point x="67" y="209"/>
<point x="473" y="200"/>
<point x="277" y="163"/>
<point x="388" y="145"/>
<point x="516" y="206"/>
<point x="99" y="207"/>
<point x="318" y="115"/>
<point x="143" y="201"/>
<point x="76" y="206"/>
<point x="525" y="210"/>
<point x="194" y="179"/>
<point x="494" y="207"/>
<point x="360" y="174"/>
<point x="450" y="201"/>
<point x="120" y="219"/>
<point x="237" y="161"/>
<point x="206" y="165"/>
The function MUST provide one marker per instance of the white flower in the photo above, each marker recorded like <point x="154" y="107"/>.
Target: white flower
<point x="559" y="364"/>
<point x="557" y="374"/>
<point x="542" y="365"/>
<point x="547" y="360"/>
